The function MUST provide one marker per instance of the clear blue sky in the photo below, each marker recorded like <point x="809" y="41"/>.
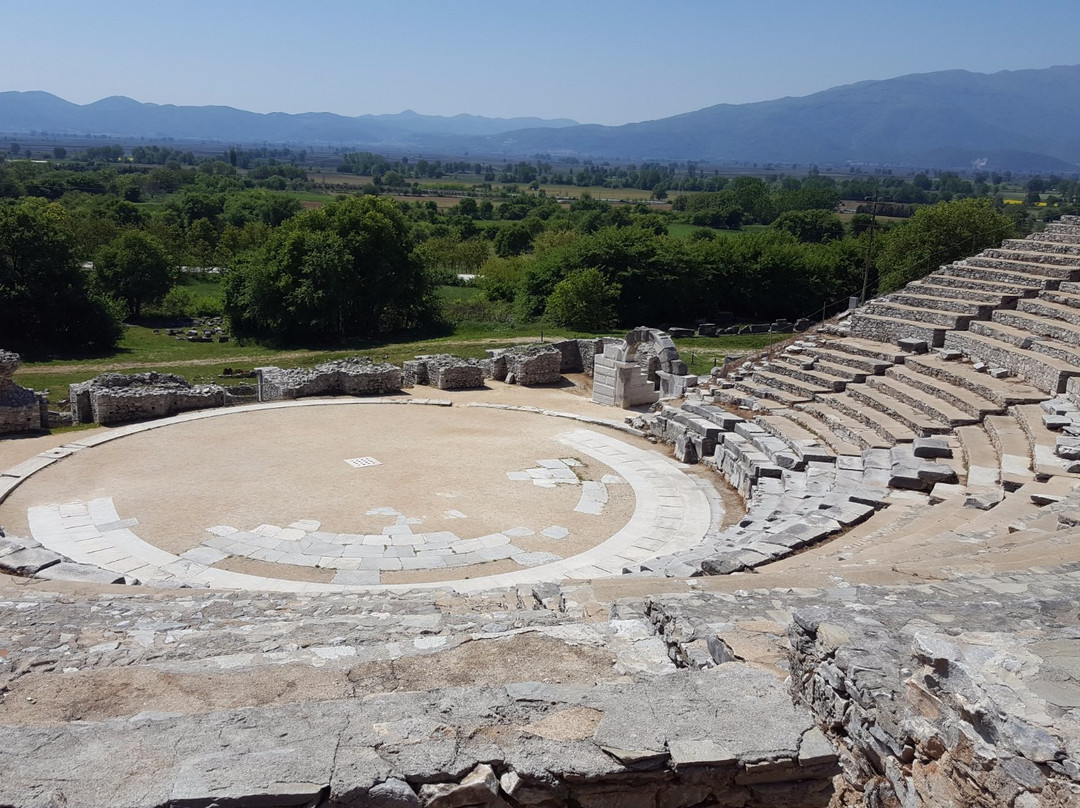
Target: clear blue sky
<point x="597" y="61"/>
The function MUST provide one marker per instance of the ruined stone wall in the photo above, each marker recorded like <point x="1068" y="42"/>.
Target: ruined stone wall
<point x="21" y="410"/>
<point x="114" y="398"/>
<point x="533" y="364"/>
<point x="578" y="355"/>
<point x="445" y="372"/>
<point x="352" y="377"/>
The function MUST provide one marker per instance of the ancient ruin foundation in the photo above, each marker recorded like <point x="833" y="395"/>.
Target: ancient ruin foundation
<point x="349" y="377"/>
<point x="114" y="398"/>
<point x="21" y="410"/>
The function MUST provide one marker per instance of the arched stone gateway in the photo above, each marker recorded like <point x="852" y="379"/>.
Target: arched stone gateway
<point x="620" y="381"/>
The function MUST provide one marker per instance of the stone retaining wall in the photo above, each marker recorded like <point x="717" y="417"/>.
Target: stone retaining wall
<point x="21" y="410"/>
<point x="114" y="398"/>
<point x="349" y="377"/>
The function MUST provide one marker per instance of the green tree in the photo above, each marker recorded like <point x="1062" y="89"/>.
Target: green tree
<point x="514" y="239"/>
<point x="936" y="235"/>
<point x="134" y="268"/>
<point x="583" y="301"/>
<point x="343" y="270"/>
<point x="59" y="152"/>
<point x="44" y="303"/>
<point x="810" y="226"/>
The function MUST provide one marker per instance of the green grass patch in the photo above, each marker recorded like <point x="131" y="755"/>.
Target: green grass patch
<point x="448" y="293"/>
<point x="142" y="350"/>
<point x="702" y="354"/>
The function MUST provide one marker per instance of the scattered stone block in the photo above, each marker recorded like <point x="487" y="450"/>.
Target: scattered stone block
<point x="28" y="561"/>
<point x="913" y="345"/>
<point x="931" y="447"/>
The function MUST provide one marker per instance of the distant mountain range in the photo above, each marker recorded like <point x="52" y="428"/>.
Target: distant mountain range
<point x="1020" y="120"/>
<point x="122" y="117"/>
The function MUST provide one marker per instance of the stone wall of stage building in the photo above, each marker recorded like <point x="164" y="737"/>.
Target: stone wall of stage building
<point x="525" y="364"/>
<point x="444" y="372"/>
<point x="349" y="377"/>
<point x="114" y="398"/>
<point x="21" y="410"/>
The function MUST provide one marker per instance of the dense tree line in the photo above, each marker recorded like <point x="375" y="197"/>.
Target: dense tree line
<point x="366" y="265"/>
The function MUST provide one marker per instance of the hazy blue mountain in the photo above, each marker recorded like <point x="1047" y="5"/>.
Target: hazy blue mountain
<point x="1022" y="119"/>
<point x="120" y="116"/>
<point x="1016" y="118"/>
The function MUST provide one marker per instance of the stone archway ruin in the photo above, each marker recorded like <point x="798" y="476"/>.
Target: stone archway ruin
<point x="620" y="381"/>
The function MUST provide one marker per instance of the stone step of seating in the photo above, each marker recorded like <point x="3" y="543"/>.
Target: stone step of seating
<point x="1040" y="245"/>
<point x="1016" y="279"/>
<point x="792" y="366"/>
<point x="926" y="286"/>
<point x="839" y="439"/>
<point x="716" y="415"/>
<point x="1063" y="227"/>
<point x="1045" y="372"/>
<point x="1068" y="294"/>
<point x="231" y="632"/>
<point x="788" y="384"/>
<point x="849" y="374"/>
<point x="870" y="349"/>
<point x="966" y="401"/>
<point x="1030" y="256"/>
<point x="880" y="400"/>
<point x="980" y="457"/>
<point x="888" y="427"/>
<point x="731" y="398"/>
<point x="763" y="391"/>
<point x="892" y="330"/>
<point x="1052" y="237"/>
<point x="1011" y="444"/>
<point x="914" y="297"/>
<point x="957" y="375"/>
<point x="804" y="443"/>
<point x="1036" y="268"/>
<point x="938" y="409"/>
<point x="1041" y="442"/>
<point x="834" y="360"/>
<point x="1072" y="287"/>
<point x="1036" y="325"/>
<point x="1051" y="309"/>
<point x="917" y="314"/>
<point x="1021" y="335"/>
<point x="977" y="286"/>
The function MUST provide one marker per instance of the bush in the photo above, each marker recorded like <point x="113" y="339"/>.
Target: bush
<point x="583" y="301"/>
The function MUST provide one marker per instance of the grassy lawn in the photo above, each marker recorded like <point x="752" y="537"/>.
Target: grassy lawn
<point x="142" y="350"/>
<point x="448" y="293"/>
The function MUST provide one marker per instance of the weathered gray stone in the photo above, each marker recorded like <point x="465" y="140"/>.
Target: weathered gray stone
<point x="394" y="794"/>
<point x="21" y="410"/>
<point x="350" y="377"/>
<point x="29" y="561"/>
<point x="82" y="573"/>
<point x="114" y="398"/>
<point x="931" y="447"/>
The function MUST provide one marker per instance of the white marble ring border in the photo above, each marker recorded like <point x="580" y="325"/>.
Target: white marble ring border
<point x="671" y="513"/>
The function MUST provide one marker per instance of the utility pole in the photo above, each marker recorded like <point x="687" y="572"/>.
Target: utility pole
<point x="869" y="247"/>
